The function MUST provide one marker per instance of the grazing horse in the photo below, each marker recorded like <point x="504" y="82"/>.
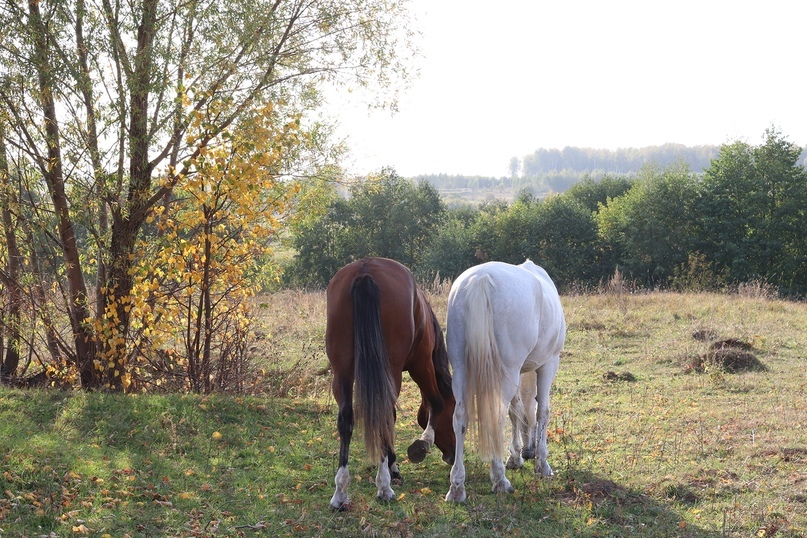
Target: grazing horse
<point x="379" y="324"/>
<point x="504" y="334"/>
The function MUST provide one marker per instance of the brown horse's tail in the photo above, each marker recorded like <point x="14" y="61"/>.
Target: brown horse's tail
<point x="483" y="370"/>
<point x="374" y="394"/>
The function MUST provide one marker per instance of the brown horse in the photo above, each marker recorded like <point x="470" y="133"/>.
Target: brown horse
<point x="379" y="325"/>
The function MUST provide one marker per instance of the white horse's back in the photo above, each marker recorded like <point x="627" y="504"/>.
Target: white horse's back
<point x="503" y="320"/>
<point x="526" y="311"/>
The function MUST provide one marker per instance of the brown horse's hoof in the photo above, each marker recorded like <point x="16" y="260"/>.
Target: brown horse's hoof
<point x="417" y="451"/>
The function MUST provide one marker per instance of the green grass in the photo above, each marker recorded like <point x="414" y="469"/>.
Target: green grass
<point x="673" y="453"/>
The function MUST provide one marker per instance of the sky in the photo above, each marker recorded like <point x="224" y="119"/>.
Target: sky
<point x="500" y="82"/>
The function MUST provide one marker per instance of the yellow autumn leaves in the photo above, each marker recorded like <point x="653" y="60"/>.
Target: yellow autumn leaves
<point x="208" y="248"/>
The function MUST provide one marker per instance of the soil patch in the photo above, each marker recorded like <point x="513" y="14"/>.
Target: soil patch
<point x="731" y="355"/>
<point x="622" y="376"/>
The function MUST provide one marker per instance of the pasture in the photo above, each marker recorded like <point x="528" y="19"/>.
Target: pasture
<point x="648" y="437"/>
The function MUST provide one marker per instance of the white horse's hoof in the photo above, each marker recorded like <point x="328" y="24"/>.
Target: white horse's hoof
<point x="385" y="494"/>
<point x="503" y="486"/>
<point x="340" y="502"/>
<point x="514" y="463"/>
<point x="456" y="495"/>
<point x="544" y="469"/>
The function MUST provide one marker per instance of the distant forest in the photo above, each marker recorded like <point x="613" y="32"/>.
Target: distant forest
<point x="621" y="161"/>
<point x="556" y="170"/>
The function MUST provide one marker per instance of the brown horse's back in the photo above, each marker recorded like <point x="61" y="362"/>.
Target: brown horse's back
<point x="397" y="287"/>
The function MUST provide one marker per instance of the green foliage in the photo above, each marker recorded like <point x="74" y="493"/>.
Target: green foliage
<point x="650" y="227"/>
<point x="697" y="274"/>
<point x="621" y="161"/>
<point x="595" y="193"/>
<point x="752" y="213"/>
<point x="453" y="247"/>
<point x="559" y="233"/>
<point x="563" y="239"/>
<point x="385" y="215"/>
<point x="743" y="220"/>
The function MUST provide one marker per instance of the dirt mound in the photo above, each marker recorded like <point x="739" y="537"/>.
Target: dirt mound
<point x="623" y="376"/>
<point x="731" y="343"/>
<point x="735" y="360"/>
<point x="731" y="355"/>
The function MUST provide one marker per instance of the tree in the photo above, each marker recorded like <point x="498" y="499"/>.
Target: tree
<point x="385" y="215"/>
<point x="514" y="166"/>
<point x="650" y="227"/>
<point x="204" y="262"/>
<point x="11" y="277"/>
<point x="562" y="237"/>
<point x="751" y="209"/>
<point x="454" y="246"/>
<point x="131" y="96"/>
<point x="595" y="193"/>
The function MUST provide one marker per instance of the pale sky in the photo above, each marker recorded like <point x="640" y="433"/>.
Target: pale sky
<point x="502" y="79"/>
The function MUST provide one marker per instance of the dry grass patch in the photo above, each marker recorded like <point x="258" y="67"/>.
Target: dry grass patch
<point x="725" y="449"/>
<point x="637" y="441"/>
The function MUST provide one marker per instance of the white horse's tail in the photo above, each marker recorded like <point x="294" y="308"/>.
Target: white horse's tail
<point x="483" y="371"/>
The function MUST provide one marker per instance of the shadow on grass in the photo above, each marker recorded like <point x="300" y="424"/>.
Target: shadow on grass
<point x="152" y="464"/>
<point x="573" y="503"/>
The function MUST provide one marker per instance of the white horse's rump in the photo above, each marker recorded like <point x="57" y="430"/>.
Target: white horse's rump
<point x="505" y="331"/>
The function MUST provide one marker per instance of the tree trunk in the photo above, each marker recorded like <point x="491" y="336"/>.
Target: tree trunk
<point x="127" y="223"/>
<point x="85" y="85"/>
<point x="8" y="366"/>
<point x="54" y="177"/>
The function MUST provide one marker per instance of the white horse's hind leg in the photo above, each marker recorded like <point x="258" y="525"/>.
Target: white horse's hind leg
<point x="456" y="490"/>
<point x="382" y="481"/>
<point x="528" y="389"/>
<point x="511" y="394"/>
<point x="497" y="477"/>
<point x="339" y="499"/>
<point x="546" y="374"/>
<point x="516" y="412"/>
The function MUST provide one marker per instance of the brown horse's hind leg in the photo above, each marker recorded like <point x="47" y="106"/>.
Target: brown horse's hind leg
<point x="430" y="406"/>
<point x="395" y="472"/>
<point x="387" y="473"/>
<point x="343" y="392"/>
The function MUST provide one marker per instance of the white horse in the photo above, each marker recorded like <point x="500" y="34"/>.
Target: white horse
<point x="505" y="331"/>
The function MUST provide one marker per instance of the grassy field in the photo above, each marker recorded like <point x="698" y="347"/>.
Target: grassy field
<point x="647" y="439"/>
